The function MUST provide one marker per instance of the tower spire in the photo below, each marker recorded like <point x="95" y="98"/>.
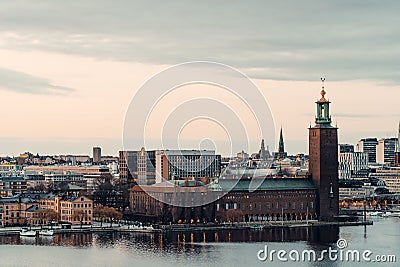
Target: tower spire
<point x="323" y="93"/>
<point x="323" y="117"/>
<point x="263" y="153"/>
<point x="281" y="150"/>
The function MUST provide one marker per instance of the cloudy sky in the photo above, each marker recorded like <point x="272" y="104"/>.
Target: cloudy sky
<point x="69" y="70"/>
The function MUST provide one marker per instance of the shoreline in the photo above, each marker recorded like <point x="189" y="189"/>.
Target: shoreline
<point x="184" y="228"/>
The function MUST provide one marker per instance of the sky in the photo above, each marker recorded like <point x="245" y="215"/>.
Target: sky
<point x="69" y="70"/>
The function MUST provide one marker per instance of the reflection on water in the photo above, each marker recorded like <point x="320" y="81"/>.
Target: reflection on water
<point x="180" y="240"/>
<point x="195" y="248"/>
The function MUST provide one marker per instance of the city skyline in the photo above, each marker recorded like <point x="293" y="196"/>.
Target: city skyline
<point x="199" y="133"/>
<point x="160" y="149"/>
<point x="68" y="79"/>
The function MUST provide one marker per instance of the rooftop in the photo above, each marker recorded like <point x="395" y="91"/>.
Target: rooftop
<point x="270" y="184"/>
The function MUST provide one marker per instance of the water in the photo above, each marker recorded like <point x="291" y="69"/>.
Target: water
<point x="211" y="248"/>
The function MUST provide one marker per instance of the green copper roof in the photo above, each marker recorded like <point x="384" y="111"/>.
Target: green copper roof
<point x="269" y="184"/>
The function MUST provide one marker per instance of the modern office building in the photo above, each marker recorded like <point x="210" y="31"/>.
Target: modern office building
<point x="385" y="151"/>
<point x="96" y="154"/>
<point x="138" y="166"/>
<point x="346" y="148"/>
<point x="352" y="162"/>
<point x="184" y="164"/>
<point x="368" y="145"/>
<point x="390" y="176"/>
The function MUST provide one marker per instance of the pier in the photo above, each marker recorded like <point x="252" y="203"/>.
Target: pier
<point x="187" y="227"/>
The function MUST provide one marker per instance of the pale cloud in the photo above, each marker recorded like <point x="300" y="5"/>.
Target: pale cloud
<point x="284" y="40"/>
<point x="20" y="82"/>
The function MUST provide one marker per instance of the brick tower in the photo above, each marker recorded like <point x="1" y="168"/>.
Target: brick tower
<point x="323" y="162"/>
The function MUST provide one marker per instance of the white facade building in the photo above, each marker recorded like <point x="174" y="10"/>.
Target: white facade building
<point x="350" y="162"/>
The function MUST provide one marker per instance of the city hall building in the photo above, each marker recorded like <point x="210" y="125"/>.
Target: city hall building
<point x="253" y="199"/>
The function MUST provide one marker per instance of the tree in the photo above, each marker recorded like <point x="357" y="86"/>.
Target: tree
<point x="99" y="214"/>
<point x="104" y="212"/>
<point x="40" y="214"/>
<point x="50" y="215"/>
<point x="79" y="215"/>
<point x="112" y="214"/>
<point x="233" y="215"/>
<point x="220" y="216"/>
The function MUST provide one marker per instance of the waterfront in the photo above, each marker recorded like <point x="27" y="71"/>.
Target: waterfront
<point x="197" y="248"/>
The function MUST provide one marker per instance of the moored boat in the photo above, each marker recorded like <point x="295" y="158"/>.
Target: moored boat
<point x="375" y="213"/>
<point x="27" y="232"/>
<point x="46" y="232"/>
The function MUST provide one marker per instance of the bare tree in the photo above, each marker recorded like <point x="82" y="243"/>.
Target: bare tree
<point x="99" y="214"/>
<point x="79" y="215"/>
<point x="112" y="214"/>
<point x="233" y="215"/>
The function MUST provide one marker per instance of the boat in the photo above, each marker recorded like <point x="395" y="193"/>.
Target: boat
<point x="27" y="232"/>
<point x="391" y="214"/>
<point x="148" y="227"/>
<point x="46" y="232"/>
<point x="375" y="213"/>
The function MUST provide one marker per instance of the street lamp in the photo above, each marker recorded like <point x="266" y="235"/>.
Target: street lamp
<point x="330" y="196"/>
<point x="365" y="207"/>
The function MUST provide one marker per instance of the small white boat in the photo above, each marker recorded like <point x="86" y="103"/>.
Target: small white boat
<point x="27" y="232"/>
<point x="386" y="214"/>
<point x="375" y="213"/>
<point x="46" y="232"/>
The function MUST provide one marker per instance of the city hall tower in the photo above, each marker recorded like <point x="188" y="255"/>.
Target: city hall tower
<point x="323" y="161"/>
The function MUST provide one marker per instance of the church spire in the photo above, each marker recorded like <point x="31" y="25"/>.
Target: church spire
<point x="281" y="149"/>
<point x="263" y="153"/>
